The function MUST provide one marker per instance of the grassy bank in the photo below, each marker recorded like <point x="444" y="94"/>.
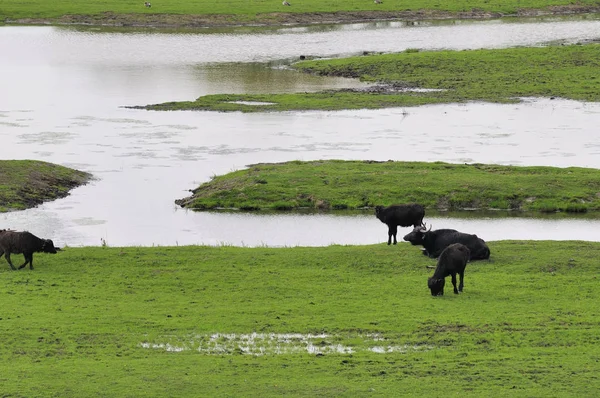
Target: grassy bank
<point x="452" y="76"/>
<point x="179" y="321"/>
<point x="241" y="12"/>
<point x="337" y="184"/>
<point x="28" y="183"/>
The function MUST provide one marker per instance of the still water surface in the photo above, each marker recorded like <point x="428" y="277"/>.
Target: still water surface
<point x="62" y="92"/>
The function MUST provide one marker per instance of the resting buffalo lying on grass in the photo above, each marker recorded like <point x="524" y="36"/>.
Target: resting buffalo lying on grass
<point x="434" y="242"/>
<point x="402" y="215"/>
<point x="452" y="261"/>
<point x="14" y="242"/>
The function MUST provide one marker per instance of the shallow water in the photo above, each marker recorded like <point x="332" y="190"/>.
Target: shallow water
<point x="62" y="92"/>
<point x="258" y="344"/>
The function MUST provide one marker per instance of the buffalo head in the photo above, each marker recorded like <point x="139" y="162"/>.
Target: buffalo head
<point x="48" y="246"/>
<point x="436" y="286"/>
<point x="417" y="235"/>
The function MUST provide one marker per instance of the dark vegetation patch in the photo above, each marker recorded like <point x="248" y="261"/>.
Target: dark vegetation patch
<point x="156" y="18"/>
<point x="28" y="183"/>
<point x="341" y="185"/>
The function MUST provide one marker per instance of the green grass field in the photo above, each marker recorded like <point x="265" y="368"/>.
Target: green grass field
<point x="501" y="75"/>
<point x="332" y="321"/>
<point x="252" y="9"/>
<point x="28" y="183"/>
<point x="493" y="75"/>
<point x="341" y="185"/>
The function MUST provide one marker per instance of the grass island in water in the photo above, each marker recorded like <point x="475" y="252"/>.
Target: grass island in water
<point x="338" y="184"/>
<point x="413" y="78"/>
<point x="28" y="183"/>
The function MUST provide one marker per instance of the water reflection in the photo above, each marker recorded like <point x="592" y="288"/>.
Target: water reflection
<point x="271" y="77"/>
<point x="322" y="229"/>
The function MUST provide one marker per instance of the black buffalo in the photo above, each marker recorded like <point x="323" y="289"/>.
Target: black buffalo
<point x="452" y="261"/>
<point x="400" y="215"/>
<point x="14" y="242"/>
<point x="434" y="242"/>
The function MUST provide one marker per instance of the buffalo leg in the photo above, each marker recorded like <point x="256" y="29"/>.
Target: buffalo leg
<point x="461" y="284"/>
<point x="7" y="256"/>
<point x="392" y="233"/>
<point x="454" y="283"/>
<point x="28" y="259"/>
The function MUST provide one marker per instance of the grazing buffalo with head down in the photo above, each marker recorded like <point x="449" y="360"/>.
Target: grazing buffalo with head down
<point x="434" y="242"/>
<point x="402" y="215"/>
<point x="14" y="242"/>
<point x="452" y="261"/>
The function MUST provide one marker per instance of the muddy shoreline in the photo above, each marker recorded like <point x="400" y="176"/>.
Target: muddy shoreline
<point x="273" y="19"/>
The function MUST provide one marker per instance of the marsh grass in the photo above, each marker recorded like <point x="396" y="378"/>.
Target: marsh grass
<point x="259" y="11"/>
<point x="499" y="75"/>
<point x="493" y="75"/>
<point x="28" y="183"/>
<point x="91" y="322"/>
<point x="341" y="185"/>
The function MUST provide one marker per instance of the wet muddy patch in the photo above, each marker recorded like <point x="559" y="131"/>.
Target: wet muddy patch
<point x="388" y="88"/>
<point x="109" y="18"/>
<point x="258" y="344"/>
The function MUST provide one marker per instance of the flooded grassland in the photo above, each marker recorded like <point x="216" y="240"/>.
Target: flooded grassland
<point x="346" y="319"/>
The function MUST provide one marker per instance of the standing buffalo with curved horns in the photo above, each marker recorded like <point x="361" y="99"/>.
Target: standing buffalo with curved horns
<point x="402" y="215"/>
<point x="434" y="242"/>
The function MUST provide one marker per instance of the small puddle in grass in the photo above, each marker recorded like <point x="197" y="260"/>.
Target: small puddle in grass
<point x="251" y="102"/>
<point x="279" y="343"/>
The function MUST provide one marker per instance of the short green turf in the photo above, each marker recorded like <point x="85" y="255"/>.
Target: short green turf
<point x="343" y="185"/>
<point x="257" y="10"/>
<point x="137" y="322"/>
